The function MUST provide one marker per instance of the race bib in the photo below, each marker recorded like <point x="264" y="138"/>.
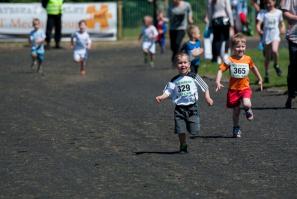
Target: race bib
<point x="239" y="70"/>
<point x="271" y="23"/>
<point x="184" y="90"/>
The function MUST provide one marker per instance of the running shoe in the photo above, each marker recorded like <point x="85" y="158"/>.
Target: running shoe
<point x="278" y="70"/>
<point x="236" y="132"/>
<point x="249" y="114"/>
<point x="183" y="148"/>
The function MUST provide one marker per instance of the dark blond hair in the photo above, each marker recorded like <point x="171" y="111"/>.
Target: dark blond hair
<point x="191" y="28"/>
<point x="179" y="55"/>
<point x="35" y="20"/>
<point x="82" y="21"/>
<point x="238" y="38"/>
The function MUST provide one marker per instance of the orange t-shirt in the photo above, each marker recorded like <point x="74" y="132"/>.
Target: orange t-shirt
<point x="239" y="69"/>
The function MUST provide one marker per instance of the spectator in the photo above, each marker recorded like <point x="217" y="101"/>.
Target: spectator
<point x="180" y="14"/>
<point x="222" y="24"/>
<point x="289" y="8"/>
<point x="54" y="19"/>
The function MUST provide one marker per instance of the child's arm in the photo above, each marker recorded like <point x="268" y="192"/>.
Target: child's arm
<point x="162" y="97"/>
<point x="208" y="99"/>
<point x="204" y="87"/>
<point x="258" y="27"/>
<point x="258" y="75"/>
<point x="282" y="27"/>
<point x="218" y="80"/>
<point x="89" y="44"/>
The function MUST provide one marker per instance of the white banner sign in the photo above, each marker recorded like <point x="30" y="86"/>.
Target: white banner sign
<point x="16" y="19"/>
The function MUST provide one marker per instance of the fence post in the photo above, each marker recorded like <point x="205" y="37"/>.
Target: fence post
<point x="120" y="19"/>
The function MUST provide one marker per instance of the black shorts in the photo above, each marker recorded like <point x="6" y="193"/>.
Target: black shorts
<point x="187" y="119"/>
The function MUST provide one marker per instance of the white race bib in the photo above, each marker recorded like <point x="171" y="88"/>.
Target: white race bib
<point x="239" y="70"/>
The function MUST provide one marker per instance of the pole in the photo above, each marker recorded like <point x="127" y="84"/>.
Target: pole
<point x="155" y="12"/>
<point x="120" y="19"/>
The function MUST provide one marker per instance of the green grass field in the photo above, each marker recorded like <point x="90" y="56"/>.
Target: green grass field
<point x="210" y="69"/>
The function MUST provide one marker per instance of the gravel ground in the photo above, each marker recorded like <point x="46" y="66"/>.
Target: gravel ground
<point x="103" y="135"/>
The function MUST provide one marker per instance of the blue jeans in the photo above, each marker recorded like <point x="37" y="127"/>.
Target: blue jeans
<point x="292" y="70"/>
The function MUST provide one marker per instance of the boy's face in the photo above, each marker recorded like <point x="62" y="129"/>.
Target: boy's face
<point x="269" y="4"/>
<point x="239" y="49"/>
<point x="36" y="25"/>
<point x="147" y="21"/>
<point x="82" y="27"/>
<point x="195" y="34"/>
<point x="183" y="65"/>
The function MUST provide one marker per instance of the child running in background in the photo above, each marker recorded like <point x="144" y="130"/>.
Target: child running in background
<point x="148" y="35"/>
<point x="272" y="20"/>
<point x="162" y="30"/>
<point x="193" y="47"/>
<point x="36" y="39"/>
<point x="81" y="43"/>
<point x="183" y="90"/>
<point x="239" y="90"/>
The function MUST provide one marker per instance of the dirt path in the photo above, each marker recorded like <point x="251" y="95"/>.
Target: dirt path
<point x="67" y="136"/>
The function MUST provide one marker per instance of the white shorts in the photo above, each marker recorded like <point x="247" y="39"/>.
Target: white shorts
<point x="79" y="55"/>
<point x="149" y="47"/>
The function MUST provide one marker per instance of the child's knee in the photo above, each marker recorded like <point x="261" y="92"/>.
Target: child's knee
<point x="247" y="103"/>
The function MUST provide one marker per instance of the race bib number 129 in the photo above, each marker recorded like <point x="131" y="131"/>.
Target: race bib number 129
<point x="239" y="70"/>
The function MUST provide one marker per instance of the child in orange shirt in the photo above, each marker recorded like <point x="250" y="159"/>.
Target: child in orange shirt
<point x="239" y="90"/>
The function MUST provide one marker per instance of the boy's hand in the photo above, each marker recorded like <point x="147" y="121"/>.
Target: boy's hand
<point x="260" y="83"/>
<point x="159" y="99"/>
<point x="196" y="52"/>
<point x="219" y="86"/>
<point x="209" y="101"/>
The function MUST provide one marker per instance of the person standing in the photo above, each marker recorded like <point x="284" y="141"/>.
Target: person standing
<point x="222" y="24"/>
<point x="289" y="8"/>
<point x="180" y="14"/>
<point x="54" y="20"/>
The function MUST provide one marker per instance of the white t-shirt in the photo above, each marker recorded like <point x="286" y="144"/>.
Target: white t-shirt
<point x="271" y="21"/>
<point x="149" y="35"/>
<point x="81" y="40"/>
<point x="183" y="89"/>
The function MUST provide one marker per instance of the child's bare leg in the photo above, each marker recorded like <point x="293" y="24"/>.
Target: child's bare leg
<point x="247" y="104"/>
<point x="145" y="55"/>
<point x="34" y="60"/>
<point x="182" y="138"/>
<point x="182" y="141"/>
<point x="275" y="46"/>
<point x="40" y="68"/>
<point x="236" y="113"/>
<point x="152" y="58"/>
<point x="82" y="66"/>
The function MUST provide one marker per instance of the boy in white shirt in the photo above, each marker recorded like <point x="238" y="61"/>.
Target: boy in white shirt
<point x="148" y="35"/>
<point x="183" y="90"/>
<point x="81" y="43"/>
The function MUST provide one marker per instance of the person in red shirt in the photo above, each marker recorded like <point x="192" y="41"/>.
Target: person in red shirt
<point x="239" y="90"/>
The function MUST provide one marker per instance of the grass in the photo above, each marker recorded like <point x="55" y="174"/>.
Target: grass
<point x="210" y="69"/>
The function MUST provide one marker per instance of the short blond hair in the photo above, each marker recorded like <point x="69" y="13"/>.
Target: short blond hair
<point x="237" y="39"/>
<point x="35" y="20"/>
<point x="191" y="28"/>
<point x="179" y="55"/>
